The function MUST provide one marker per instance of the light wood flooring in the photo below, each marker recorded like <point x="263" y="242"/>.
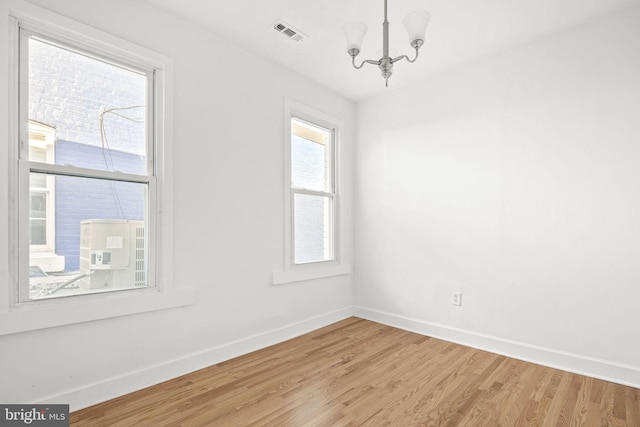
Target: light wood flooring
<point x="356" y="372"/>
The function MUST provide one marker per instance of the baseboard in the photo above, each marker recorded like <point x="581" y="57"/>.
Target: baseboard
<point x="602" y="369"/>
<point x="111" y="388"/>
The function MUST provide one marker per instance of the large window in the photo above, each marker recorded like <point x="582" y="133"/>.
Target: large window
<point x="90" y="215"/>
<point x="87" y="179"/>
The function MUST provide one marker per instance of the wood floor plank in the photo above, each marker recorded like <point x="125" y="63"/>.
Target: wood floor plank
<point x="356" y="372"/>
<point x="581" y="410"/>
<point x="633" y="407"/>
<point x="513" y="397"/>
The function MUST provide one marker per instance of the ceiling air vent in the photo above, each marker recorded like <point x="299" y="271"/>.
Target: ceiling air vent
<point x="286" y="29"/>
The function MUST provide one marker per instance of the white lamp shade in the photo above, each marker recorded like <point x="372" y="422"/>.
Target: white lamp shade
<point x="354" y="33"/>
<point x="416" y="24"/>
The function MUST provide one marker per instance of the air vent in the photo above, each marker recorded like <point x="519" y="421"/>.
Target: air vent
<point x="293" y="33"/>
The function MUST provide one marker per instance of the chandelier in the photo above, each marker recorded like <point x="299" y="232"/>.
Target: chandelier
<point x="416" y="24"/>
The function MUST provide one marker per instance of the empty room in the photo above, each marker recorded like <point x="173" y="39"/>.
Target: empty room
<point x="319" y="213"/>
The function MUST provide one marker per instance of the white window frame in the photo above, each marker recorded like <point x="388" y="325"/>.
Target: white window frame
<point x="293" y="272"/>
<point x="26" y="166"/>
<point x="330" y="194"/>
<point x="17" y="313"/>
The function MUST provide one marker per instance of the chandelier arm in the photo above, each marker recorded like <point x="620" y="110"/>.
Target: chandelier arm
<point x="394" y="60"/>
<point x="366" y="61"/>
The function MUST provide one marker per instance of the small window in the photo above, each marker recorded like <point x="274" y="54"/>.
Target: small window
<point x="312" y="204"/>
<point x="312" y="191"/>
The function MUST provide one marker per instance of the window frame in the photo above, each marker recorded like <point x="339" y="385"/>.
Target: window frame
<point x="27" y="166"/>
<point x="16" y="313"/>
<point x="331" y="194"/>
<point x="291" y="271"/>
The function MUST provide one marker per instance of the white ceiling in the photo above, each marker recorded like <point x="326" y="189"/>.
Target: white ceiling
<point x="460" y="31"/>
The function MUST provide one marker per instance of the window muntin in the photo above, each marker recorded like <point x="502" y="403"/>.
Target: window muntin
<point x="313" y="192"/>
<point x="99" y="183"/>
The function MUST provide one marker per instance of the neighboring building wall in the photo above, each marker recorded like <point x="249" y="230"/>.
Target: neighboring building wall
<point x="80" y="199"/>
<point x="70" y="92"/>
<point x="309" y="232"/>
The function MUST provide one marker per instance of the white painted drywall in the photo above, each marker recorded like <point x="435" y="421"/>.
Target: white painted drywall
<point x="515" y="180"/>
<point x="228" y="218"/>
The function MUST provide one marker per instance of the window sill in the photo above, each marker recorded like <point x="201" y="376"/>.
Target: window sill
<point x="303" y="273"/>
<point x="35" y="315"/>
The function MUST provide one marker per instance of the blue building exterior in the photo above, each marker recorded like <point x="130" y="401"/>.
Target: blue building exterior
<point x="78" y="199"/>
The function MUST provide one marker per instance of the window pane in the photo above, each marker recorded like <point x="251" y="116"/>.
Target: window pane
<point x="310" y="151"/>
<point x="38" y="181"/>
<point x="312" y="228"/>
<point x="38" y="205"/>
<point x="100" y="233"/>
<point x="38" y="218"/>
<point x="37" y="154"/>
<point x="97" y="109"/>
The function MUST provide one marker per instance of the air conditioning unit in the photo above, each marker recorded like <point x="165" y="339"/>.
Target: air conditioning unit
<point x="113" y="253"/>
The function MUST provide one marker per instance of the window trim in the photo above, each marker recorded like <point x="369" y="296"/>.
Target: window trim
<point x="18" y="317"/>
<point x="292" y="272"/>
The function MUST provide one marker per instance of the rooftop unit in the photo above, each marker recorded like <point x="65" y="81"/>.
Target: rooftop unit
<point x="113" y="252"/>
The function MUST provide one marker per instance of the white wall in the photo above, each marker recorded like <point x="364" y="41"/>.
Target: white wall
<point x="513" y="180"/>
<point x="228" y="230"/>
<point x="516" y="181"/>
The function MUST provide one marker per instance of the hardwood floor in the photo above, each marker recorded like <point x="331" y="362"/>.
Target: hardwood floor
<point x="356" y="372"/>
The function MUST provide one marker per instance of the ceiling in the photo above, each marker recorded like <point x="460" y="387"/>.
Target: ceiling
<point x="460" y="31"/>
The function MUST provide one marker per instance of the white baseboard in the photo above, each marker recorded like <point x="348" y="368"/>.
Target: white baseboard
<point x="132" y="381"/>
<point x="597" y="368"/>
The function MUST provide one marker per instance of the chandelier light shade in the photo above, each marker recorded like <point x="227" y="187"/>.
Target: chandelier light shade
<point x="354" y="32"/>
<point x="416" y="25"/>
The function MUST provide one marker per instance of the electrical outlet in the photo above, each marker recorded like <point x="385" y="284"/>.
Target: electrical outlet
<point x="456" y="298"/>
